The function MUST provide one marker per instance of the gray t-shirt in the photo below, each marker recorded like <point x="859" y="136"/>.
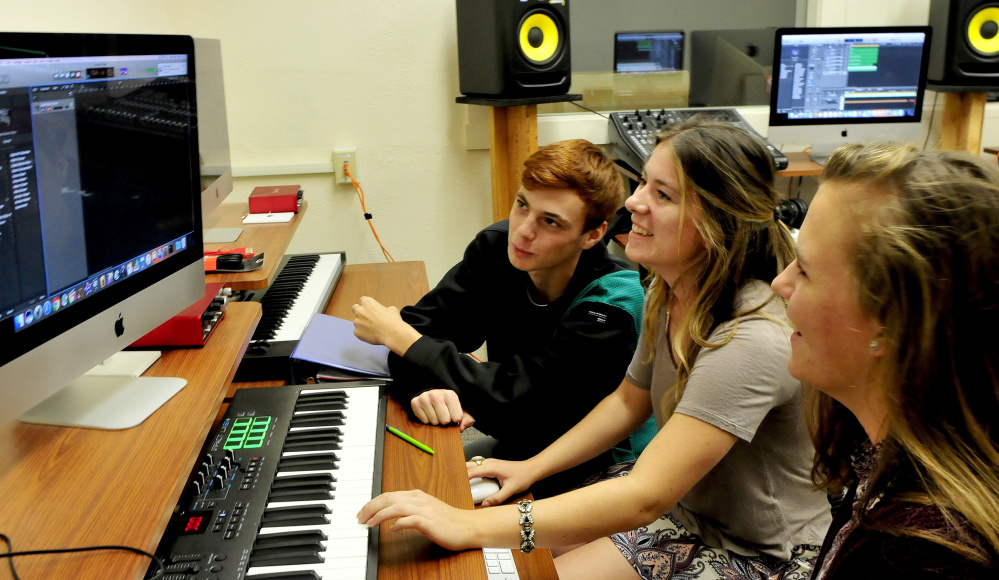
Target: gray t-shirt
<point x="759" y="499"/>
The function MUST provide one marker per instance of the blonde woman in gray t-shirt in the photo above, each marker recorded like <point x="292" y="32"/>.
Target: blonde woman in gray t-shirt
<point x="723" y="490"/>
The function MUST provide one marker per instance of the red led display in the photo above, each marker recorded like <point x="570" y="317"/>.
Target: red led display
<point x="195" y="522"/>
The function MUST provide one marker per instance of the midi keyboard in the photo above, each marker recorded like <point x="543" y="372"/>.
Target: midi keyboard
<point x="276" y="491"/>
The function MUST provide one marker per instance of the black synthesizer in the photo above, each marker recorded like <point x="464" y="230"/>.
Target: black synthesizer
<point x="277" y="489"/>
<point x="634" y="132"/>
<point x="301" y="288"/>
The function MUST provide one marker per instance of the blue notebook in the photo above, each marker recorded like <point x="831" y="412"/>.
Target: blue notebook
<point x="329" y="341"/>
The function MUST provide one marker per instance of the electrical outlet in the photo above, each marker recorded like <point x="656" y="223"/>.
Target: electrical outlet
<point x="348" y="156"/>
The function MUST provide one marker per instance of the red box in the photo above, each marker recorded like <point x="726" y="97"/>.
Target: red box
<point x="186" y="328"/>
<point x="274" y="199"/>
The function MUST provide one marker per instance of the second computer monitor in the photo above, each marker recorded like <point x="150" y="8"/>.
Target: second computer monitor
<point x="730" y="67"/>
<point x="657" y="51"/>
<point x="847" y="85"/>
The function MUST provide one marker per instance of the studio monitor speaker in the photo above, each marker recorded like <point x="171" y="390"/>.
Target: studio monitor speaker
<point x="965" y="48"/>
<point x="513" y="48"/>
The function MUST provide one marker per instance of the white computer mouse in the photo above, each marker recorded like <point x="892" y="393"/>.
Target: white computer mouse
<point x="483" y="487"/>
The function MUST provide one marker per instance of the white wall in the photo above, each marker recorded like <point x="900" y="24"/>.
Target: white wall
<point x="139" y="16"/>
<point x="306" y="76"/>
<point x="867" y="12"/>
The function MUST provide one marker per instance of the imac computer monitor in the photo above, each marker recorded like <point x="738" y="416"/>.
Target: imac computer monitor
<point x="213" y="137"/>
<point x="847" y="85"/>
<point x="730" y="68"/>
<point x="100" y="218"/>
<point x="639" y="52"/>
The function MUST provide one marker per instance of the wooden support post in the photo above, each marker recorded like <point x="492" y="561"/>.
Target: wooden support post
<point x="513" y="137"/>
<point x="961" y="123"/>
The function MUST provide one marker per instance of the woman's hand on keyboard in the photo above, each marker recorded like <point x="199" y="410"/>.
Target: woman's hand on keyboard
<point x="450" y="527"/>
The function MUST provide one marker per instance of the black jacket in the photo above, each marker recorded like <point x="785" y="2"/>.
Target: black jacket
<point x="548" y="366"/>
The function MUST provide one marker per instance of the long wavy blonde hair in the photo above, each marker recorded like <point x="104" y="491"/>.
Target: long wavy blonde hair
<point x="729" y="174"/>
<point x="926" y="264"/>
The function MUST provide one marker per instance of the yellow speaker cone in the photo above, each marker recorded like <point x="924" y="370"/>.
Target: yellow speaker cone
<point x="539" y="37"/>
<point x="987" y="18"/>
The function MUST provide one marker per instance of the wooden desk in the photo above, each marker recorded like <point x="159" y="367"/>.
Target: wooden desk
<point x="799" y="164"/>
<point x="86" y="487"/>
<point x="269" y="239"/>
<point x="408" y="555"/>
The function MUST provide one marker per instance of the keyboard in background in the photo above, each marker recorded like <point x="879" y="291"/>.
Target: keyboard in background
<point x="633" y="137"/>
<point x="301" y="288"/>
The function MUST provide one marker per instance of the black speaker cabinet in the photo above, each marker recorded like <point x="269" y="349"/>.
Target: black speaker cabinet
<point x="965" y="51"/>
<point x="513" y="48"/>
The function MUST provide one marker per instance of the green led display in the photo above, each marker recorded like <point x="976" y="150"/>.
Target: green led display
<point x="247" y="433"/>
<point x="257" y="433"/>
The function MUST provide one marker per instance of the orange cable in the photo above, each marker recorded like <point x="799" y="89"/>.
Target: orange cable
<point x="367" y="216"/>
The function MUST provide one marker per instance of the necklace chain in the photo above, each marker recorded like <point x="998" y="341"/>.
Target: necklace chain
<point x="531" y="299"/>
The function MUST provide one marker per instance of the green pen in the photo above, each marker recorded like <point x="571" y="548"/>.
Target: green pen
<point x="408" y="439"/>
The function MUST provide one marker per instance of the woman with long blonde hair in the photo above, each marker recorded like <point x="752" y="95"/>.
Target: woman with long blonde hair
<point x="894" y="299"/>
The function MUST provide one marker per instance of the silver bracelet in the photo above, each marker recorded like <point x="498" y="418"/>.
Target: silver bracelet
<point x="526" y="520"/>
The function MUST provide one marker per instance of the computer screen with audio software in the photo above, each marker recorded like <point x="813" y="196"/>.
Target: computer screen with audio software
<point x="100" y="221"/>
<point x="847" y="85"/>
<point x="658" y="51"/>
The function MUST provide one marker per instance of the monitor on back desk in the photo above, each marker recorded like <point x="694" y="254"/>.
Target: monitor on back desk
<point x="847" y="85"/>
<point x="730" y="67"/>
<point x="213" y="137"/>
<point x="639" y="52"/>
<point x="100" y="222"/>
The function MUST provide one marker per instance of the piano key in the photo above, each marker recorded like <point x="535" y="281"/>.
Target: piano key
<point x="315" y="514"/>
<point x="336" y="547"/>
<point x="340" y="569"/>
<point x="332" y="401"/>
<point x="301" y="575"/>
<point x="318" y="419"/>
<point x="331" y="507"/>
<point x="314" y="445"/>
<point x="337" y="395"/>
<point x="343" y="471"/>
<point x="308" y="481"/>
<point x="346" y="486"/>
<point x="288" y="539"/>
<point x="310" y="462"/>
<point x="333" y="532"/>
<point x="288" y="557"/>
<point x="301" y="495"/>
